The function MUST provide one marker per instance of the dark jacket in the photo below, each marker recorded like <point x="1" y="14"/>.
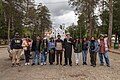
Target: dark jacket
<point x="34" y="45"/>
<point x="77" y="47"/>
<point x="43" y="47"/>
<point x="68" y="47"/>
<point x="16" y="43"/>
<point x="84" y="45"/>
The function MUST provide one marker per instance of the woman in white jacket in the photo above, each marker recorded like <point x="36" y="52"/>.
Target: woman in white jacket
<point x="103" y="50"/>
<point x="26" y="47"/>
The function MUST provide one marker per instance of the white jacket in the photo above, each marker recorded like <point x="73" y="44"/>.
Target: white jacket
<point x="106" y="43"/>
<point x="24" y="44"/>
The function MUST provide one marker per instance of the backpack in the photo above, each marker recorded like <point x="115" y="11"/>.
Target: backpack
<point x="92" y="46"/>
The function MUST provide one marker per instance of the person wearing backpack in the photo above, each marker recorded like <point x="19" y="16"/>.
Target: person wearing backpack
<point x="93" y="48"/>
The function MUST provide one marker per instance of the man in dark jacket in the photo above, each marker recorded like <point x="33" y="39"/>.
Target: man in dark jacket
<point x="36" y="49"/>
<point x="68" y="42"/>
<point x="16" y="47"/>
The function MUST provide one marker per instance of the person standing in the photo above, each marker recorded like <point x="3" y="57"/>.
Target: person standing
<point x="59" y="49"/>
<point x="51" y="49"/>
<point x="103" y="49"/>
<point x="84" y="50"/>
<point x="77" y="49"/>
<point x="36" y="49"/>
<point x="93" y="48"/>
<point x="16" y="47"/>
<point x="68" y="42"/>
<point x="44" y="47"/>
<point x="26" y="47"/>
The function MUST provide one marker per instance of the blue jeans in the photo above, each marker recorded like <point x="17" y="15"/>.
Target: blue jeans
<point x="105" y="56"/>
<point x="36" y="55"/>
<point x="44" y="57"/>
<point x="84" y="55"/>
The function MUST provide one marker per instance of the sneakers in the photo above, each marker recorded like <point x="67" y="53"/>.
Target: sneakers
<point x="64" y="64"/>
<point x="45" y="63"/>
<point x="38" y="63"/>
<point x="108" y="65"/>
<point x="12" y="65"/>
<point x="18" y="64"/>
<point x="77" y="64"/>
<point x="101" y="64"/>
<point x="26" y="64"/>
<point x="60" y="63"/>
<point x="94" y="65"/>
<point x="33" y="64"/>
<point x="41" y="64"/>
<point x="84" y="63"/>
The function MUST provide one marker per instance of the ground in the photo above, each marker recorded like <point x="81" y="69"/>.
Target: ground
<point x="57" y="72"/>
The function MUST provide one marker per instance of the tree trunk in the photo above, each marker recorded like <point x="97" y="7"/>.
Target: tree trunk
<point x="90" y="14"/>
<point x="110" y="20"/>
<point x="13" y="25"/>
<point x="9" y="30"/>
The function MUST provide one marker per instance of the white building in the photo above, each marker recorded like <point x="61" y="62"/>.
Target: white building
<point x="58" y="31"/>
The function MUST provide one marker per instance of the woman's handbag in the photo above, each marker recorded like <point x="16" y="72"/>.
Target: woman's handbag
<point x="51" y="51"/>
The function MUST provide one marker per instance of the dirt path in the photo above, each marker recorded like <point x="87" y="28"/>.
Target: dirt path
<point x="53" y="72"/>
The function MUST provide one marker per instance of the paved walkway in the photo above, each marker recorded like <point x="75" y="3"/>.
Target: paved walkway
<point x="117" y="51"/>
<point x="58" y="72"/>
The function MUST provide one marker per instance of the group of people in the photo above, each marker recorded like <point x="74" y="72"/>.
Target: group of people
<point x="55" y="49"/>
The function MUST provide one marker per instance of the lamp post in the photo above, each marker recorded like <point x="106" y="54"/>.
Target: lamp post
<point x="74" y="32"/>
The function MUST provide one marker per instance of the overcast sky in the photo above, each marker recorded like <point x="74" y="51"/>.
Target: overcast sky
<point x="61" y="12"/>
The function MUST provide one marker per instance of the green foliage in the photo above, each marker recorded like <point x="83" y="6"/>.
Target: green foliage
<point x="43" y="19"/>
<point x="87" y="9"/>
<point x="104" y="16"/>
<point x="24" y="17"/>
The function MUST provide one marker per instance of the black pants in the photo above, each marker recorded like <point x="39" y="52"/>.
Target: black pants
<point x="27" y="56"/>
<point x="93" y="56"/>
<point x="59" y="54"/>
<point x="66" y="61"/>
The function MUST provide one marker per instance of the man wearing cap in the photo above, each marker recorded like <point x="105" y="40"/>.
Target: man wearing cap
<point x="16" y="47"/>
<point x="68" y="42"/>
<point x="103" y="49"/>
<point x="59" y="49"/>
